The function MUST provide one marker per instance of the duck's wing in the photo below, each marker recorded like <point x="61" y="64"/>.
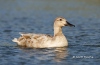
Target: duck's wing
<point x="32" y="40"/>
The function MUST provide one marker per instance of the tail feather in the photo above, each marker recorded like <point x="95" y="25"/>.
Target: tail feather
<point x="15" y="40"/>
<point x="25" y="34"/>
<point x="21" y="33"/>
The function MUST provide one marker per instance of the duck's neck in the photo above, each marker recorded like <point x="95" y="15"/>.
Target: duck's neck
<point x="57" y="31"/>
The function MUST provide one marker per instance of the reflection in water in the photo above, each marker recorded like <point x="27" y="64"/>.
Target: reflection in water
<point x="61" y="53"/>
<point x="54" y="54"/>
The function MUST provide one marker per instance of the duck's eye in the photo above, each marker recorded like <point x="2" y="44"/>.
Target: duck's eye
<point x="60" y="19"/>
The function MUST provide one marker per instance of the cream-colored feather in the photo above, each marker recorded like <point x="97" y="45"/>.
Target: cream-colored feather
<point x="42" y="40"/>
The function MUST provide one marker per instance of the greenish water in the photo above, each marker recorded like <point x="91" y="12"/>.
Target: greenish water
<point x="37" y="16"/>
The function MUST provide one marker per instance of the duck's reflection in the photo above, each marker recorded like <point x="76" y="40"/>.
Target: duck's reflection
<point x="51" y="54"/>
<point x="61" y="54"/>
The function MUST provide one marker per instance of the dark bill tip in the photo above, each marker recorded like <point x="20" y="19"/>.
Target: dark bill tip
<point x="69" y="24"/>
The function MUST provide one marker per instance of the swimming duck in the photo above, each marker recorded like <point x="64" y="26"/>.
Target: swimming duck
<point x="32" y="40"/>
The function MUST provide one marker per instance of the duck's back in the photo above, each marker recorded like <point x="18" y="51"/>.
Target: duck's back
<point x="33" y="40"/>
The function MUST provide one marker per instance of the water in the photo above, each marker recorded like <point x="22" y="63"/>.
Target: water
<point x="37" y="16"/>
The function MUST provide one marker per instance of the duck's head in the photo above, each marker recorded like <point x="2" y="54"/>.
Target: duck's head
<point x="60" y="22"/>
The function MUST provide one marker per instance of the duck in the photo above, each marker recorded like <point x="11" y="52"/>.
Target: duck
<point x="32" y="40"/>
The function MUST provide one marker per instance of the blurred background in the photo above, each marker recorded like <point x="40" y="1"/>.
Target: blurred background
<point x="38" y="16"/>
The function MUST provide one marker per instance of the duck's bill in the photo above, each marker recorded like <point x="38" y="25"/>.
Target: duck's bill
<point x="69" y="24"/>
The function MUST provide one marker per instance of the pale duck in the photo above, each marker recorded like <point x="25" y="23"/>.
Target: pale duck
<point x="32" y="40"/>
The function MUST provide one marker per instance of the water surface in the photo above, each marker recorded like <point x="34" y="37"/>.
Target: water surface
<point x="37" y="16"/>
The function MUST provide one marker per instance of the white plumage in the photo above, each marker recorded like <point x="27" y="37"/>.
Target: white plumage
<point x="44" y="41"/>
